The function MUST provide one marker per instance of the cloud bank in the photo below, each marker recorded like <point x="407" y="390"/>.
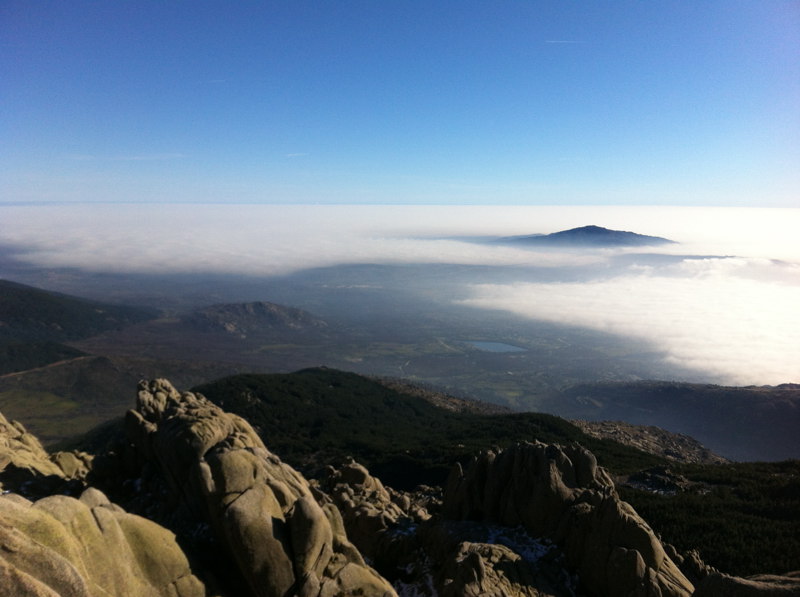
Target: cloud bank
<point x="253" y="239"/>
<point x="729" y="310"/>
<point x="741" y="331"/>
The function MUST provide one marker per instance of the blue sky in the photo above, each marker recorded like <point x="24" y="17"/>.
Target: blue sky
<point x="684" y="103"/>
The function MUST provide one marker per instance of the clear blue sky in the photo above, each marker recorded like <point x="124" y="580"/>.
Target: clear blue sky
<point x="562" y="102"/>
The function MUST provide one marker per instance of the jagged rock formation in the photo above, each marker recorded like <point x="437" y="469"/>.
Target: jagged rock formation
<point x="87" y="547"/>
<point x="425" y="555"/>
<point x="562" y="494"/>
<point x="22" y="450"/>
<point x="659" y="479"/>
<point x="261" y="510"/>
<point x="369" y="510"/>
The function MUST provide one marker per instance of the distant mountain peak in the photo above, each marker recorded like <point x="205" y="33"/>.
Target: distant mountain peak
<point x="591" y="235"/>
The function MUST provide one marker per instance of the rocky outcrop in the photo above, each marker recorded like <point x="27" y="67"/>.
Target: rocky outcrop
<point x="27" y="468"/>
<point x="654" y="440"/>
<point x="88" y="547"/>
<point x="562" y="494"/>
<point x="22" y="450"/>
<point x="492" y="570"/>
<point x="475" y="570"/>
<point x="533" y="520"/>
<point x="479" y="559"/>
<point x="425" y="555"/>
<point x="659" y="479"/>
<point x="370" y="510"/>
<point x="262" y="511"/>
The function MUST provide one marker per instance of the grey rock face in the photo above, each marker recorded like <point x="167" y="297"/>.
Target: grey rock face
<point x="262" y="511"/>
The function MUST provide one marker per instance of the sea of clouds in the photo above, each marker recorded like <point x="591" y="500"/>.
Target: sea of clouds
<point x="727" y="304"/>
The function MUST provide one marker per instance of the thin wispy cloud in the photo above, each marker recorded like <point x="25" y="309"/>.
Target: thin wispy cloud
<point x="144" y="157"/>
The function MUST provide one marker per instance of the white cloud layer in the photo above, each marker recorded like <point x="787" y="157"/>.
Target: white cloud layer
<point x="736" y="316"/>
<point x="741" y="330"/>
<point x="254" y="239"/>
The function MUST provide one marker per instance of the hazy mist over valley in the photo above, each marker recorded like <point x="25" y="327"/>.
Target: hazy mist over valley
<point x="717" y="306"/>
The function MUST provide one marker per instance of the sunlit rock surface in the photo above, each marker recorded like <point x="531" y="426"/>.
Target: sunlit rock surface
<point x="261" y="510"/>
<point x="89" y="547"/>
<point x="28" y="469"/>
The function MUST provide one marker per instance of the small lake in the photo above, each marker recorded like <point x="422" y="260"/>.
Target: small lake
<point x="495" y="346"/>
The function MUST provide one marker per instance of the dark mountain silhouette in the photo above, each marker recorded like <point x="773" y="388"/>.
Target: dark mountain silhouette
<point x="402" y="435"/>
<point x="587" y="236"/>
